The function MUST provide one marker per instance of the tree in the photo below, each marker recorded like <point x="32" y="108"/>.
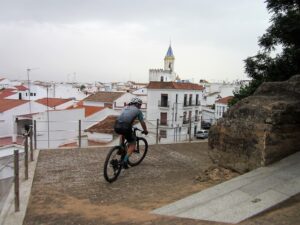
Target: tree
<point x="284" y="34"/>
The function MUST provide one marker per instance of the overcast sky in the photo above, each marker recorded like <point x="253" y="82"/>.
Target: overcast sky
<point x="120" y="40"/>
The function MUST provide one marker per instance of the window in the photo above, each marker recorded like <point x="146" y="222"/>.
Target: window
<point x="185" y="100"/>
<point x="163" y="118"/>
<point x="161" y="78"/>
<point x="190" y="99"/>
<point x="197" y="99"/>
<point x="164" y="100"/>
<point x="163" y="133"/>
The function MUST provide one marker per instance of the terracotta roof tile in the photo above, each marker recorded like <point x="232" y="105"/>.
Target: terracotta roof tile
<point x="104" y="96"/>
<point x="6" y="92"/>
<point x="8" y="141"/>
<point x="75" y="144"/>
<point x="52" y="102"/>
<point x="7" y="104"/>
<point x="224" y="100"/>
<point x="89" y="110"/>
<point x="105" y="126"/>
<point x="174" y="85"/>
<point x="21" y="88"/>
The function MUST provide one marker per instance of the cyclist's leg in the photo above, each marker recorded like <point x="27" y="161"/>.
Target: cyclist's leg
<point x="131" y="139"/>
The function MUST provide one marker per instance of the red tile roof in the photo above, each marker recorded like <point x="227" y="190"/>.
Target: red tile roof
<point x="7" y="104"/>
<point x="21" y="88"/>
<point x="104" y="96"/>
<point x="89" y="110"/>
<point x="224" y="100"/>
<point x="75" y="144"/>
<point x="105" y="126"/>
<point x="6" y="92"/>
<point x="8" y="141"/>
<point x="52" y="102"/>
<point x="174" y="85"/>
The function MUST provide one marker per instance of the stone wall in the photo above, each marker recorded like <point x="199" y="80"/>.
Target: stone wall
<point x="260" y="129"/>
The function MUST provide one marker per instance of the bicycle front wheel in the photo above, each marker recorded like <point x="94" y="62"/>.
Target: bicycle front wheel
<point x="139" y="153"/>
<point x="112" y="164"/>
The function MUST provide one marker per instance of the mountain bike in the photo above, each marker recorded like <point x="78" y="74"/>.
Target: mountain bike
<point x="114" y="160"/>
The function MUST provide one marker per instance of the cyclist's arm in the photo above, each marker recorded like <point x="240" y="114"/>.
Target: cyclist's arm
<point x="144" y="127"/>
<point x="141" y="119"/>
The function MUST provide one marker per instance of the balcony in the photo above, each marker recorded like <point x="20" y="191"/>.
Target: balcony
<point x="163" y="104"/>
<point x="191" y="104"/>
<point x="185" y="121"/>
<point x="163" y="123"/>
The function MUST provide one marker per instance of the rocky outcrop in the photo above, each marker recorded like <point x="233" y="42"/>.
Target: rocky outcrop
<point x="260" y="129"/>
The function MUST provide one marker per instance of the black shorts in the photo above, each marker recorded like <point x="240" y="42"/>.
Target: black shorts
<point x="125" y="130"/>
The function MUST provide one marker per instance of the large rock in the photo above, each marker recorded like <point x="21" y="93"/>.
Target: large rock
<point x="260" y="129"/>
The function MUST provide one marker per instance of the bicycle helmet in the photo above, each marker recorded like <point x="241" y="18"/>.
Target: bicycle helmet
<point x="136" y="100"/>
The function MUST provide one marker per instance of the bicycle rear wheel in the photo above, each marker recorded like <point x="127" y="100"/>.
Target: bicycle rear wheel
<point x="139" y="153"/>
<point x="112" y="164"/>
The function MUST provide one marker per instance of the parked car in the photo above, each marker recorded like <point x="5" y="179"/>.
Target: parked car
<point x="202" y="134"/>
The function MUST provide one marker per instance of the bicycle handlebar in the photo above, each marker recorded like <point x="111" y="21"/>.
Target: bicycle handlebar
<point x="135" y="128"/>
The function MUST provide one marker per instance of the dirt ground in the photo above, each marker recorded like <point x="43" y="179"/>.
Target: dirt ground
<point x="69" y="188"/>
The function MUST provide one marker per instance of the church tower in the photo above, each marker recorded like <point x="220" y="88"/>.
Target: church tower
<point x="169" y="60"/>
<point x="167" y="74"/>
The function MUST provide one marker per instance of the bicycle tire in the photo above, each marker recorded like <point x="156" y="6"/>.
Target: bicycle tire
<point x="139" y="153"/>
<point x="113" y="163"/>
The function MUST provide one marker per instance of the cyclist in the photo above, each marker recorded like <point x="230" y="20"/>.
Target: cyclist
<point x="124" y="122"/>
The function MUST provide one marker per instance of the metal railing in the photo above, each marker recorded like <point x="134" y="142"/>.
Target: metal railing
<point x="164" y="104"/>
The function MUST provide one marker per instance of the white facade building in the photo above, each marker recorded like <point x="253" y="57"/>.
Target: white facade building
<point x="177" y="106"/>
<point x="10" y="109"/>
<point x="221" y="106"/>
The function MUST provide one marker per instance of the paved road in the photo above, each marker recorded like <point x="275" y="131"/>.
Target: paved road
<point x="68" y="188"/>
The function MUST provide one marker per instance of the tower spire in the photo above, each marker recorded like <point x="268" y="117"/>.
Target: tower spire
<point x="169" y="59"/>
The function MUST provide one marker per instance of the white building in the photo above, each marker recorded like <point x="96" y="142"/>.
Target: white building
<point x="114" y="100"/>
<point x="208" y="115"/>
<point x="216" y="91"/>
<point x="221" y="106"/>
<point x="177" y="106"/>
<point x="10" y="109"/>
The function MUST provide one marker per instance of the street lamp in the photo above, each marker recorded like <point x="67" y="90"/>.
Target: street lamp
<point x="28" y="82"/>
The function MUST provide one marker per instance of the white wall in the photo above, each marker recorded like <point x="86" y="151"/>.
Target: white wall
<point x="63" y="125"/>
<point x="65" y="105"/>
<point x="91" y="103"/>
<point x="220" y="109"/>
<point x="125" y="98"/>
<point x="208" y="115"/>
<point x="100" y="137"/>
<point x="8" y="117"/>
<point x="156" y="74"/>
